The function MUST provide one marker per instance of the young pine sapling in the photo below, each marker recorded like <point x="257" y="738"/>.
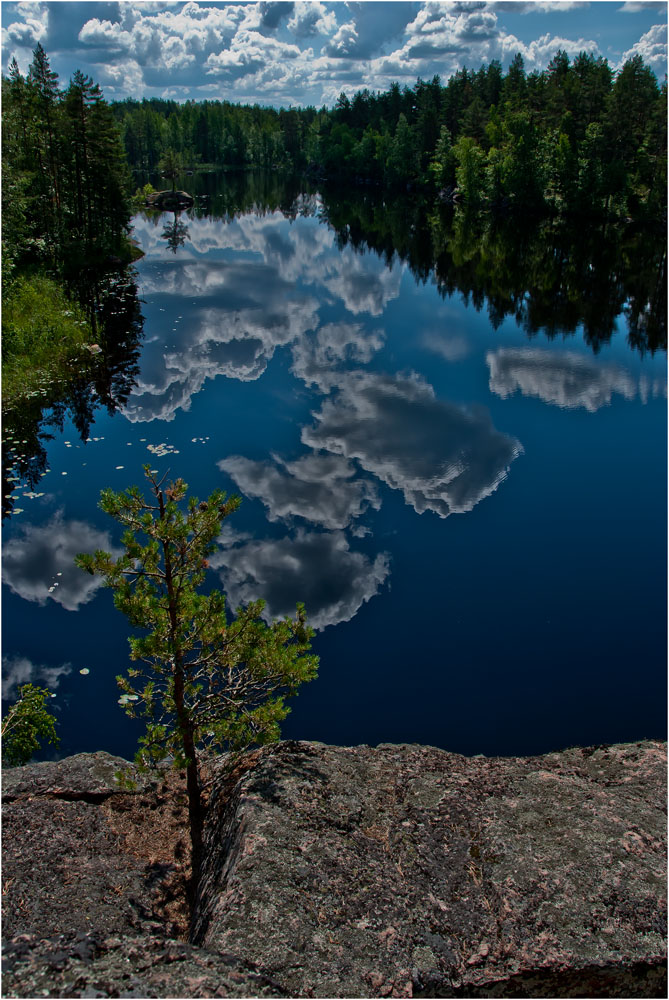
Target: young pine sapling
<point x="205" y="683"/>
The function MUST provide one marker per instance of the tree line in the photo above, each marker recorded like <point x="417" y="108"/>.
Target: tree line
<point x="575" y="137"/>
<point x="66" y="182"/>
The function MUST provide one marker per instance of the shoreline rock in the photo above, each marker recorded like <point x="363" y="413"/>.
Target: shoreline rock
<point x="170" y="201"/>
<point x="343" y="872"/>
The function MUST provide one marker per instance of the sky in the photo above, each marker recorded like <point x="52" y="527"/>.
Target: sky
<point x="306" y="53"/>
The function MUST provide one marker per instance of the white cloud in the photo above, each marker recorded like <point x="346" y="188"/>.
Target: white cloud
<point x="38" y="564"/>
<point x="444" y="458"/>
<point x="636" y="6"/>
<point x="564" y="379"/>
<point x="251" y="52"/>
<point x="18" y="670"/>
<point x="311" y="19"/>
<point x="538" y="53"/>
<point x="652" y="47"/>
<point x="344" y="41"/>
<point x="32" y="29"/>
<point x="539" y="6"/>
<point x="128" y="77"/>
<point x="318" y="569"/>
<point x="444" y="37"/>
<point x="307" y="53"/>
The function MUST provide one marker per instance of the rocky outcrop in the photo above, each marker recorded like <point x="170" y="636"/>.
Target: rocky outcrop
<point x="408" y="871"/>
<point x="69" y="861"/>
<point x="342" y="872"/>
<point x="169" y="201"/>
<point x="88" y="965"/>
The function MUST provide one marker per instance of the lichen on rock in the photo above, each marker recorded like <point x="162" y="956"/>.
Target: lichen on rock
<point x="342" y="872"/>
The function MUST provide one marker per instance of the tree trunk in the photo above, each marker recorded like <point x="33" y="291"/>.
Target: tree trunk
<point x="195" y="811"/>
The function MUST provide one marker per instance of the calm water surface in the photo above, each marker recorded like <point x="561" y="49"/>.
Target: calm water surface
<point x="475" y="521"/>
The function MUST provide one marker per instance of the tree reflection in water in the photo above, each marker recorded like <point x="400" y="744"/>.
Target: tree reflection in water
<point x="552" y="274"/>
<point x="175" y="233"/>
<point x="104" y="379"/>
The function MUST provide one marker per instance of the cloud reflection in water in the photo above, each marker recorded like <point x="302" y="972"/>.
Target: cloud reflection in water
<point x="319" y="488"/>
<point x="19" y="670"/>
<point x="317" y="568"/>
<point x="38" y="564"/>
<point x="567" y="379"/>
<point x="443" y="457"/>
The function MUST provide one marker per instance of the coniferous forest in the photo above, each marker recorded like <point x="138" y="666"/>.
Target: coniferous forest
<point x="461" y="167"/>
<point x="575" y="137"/>
<point x="71" y="321"/>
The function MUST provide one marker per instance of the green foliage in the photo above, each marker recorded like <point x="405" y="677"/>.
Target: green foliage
<point x="204" y="683"/>
<point x="534" y="132"/>
<point x="27" y="723"/>
<point x="140" y="196"/>
<point x="66" y="211"/>
<point x="63" y="152"/>
<point x="44" y="335"/>
<point x="470" y="170"/>
<point x="442" y="164"/>
<point x="171" y="165"/>
<point x="235" y="675"/>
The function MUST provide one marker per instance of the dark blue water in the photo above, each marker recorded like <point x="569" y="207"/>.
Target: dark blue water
<point x="476" y="522"/>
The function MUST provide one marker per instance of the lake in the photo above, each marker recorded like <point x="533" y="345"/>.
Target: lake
<point x="463" y="479"/>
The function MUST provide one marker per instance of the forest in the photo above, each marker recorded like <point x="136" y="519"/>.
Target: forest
<point x="71" y="322"/>
<point x="484" y="149"/>
<point x="576" y="137"/>
<point x="66" y="181"/>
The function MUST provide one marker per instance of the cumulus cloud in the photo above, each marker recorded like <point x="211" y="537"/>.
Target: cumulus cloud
<point x="31" y="28"/>
<point x="251" y="52"/>
<point x="18" y="670"/>
<point x="344" y="42"/>
<point x="272" y="14"/>
<point x="288" y="52"/>
<point x="538" y="6"/>
<point x="443" y="37"/>
<point x="365" y="29"/>
<point x="635" y="6"/>
<point x="318" y="488"/>
<point x="318" y="569"/>
<point x="443" y="457"/>
<point x="38" y="564"/>
<point x="312" y="18"/>
<point x="538" y="53"/>
<point x="565" y="379"/>
<point x="652" y="47"/>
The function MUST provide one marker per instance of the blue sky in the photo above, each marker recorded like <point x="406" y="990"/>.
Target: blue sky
<point x="301" y="53"/>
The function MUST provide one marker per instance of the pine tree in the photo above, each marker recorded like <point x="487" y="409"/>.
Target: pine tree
<point x="206" y="683"/>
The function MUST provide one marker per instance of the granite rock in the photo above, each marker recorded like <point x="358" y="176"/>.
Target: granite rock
<point x="342" y="872"/>
<point x="72" y="848"/>
<point x="88" y="965"/>
<point x="408" y="871"/>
